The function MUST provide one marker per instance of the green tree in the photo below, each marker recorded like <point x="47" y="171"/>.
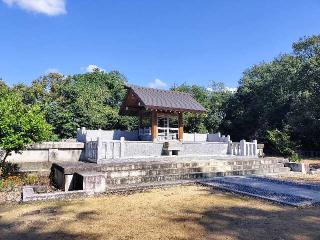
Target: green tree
<point x="90" y="100"/>
<point x="20" y="124"/>
<point x="214" y="99"/>
<point x="283" y="95"/>
<point x="195" y="122"/>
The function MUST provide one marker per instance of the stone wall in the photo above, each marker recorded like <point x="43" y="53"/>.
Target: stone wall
<point x="103" y="149"/>
<point x="206" y="148"/>
<point x="205" y="137"/>
<point x="37" y="156"/>
<point x="84" y="135"/>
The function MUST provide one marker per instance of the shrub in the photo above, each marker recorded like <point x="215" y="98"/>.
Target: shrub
<point x="31" y="180"/>
<point x="281" y="143"/>
<point x="10" y="183"/>
<point x="7" y="169"/>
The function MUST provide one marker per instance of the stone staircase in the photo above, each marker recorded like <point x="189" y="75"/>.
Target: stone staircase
<point x="140" y="174"/>
<point x="125" y="175"/>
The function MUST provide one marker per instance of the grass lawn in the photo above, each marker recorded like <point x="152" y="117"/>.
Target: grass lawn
<point x="184" y="212"/>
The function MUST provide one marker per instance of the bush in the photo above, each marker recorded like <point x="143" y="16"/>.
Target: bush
<point x="7" y="169"/>
<point x="281" y="143"/>
<point x="31" y="180"/>
<point x="10" y="183"/>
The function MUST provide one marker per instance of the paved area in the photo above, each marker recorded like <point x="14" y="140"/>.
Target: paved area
<point x="282" y="191"/>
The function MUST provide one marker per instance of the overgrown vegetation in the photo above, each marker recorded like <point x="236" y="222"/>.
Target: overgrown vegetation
<point x="276" y="103"/>
<point x="20" y="124"/>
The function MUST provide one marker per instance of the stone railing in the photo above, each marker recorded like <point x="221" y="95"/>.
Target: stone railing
<point x="91" y="151"/>
<point x="205" y="137"/>
<point x="243" y="148"/>
<point x="120" y="149"/>
<point x="84" y="135"/>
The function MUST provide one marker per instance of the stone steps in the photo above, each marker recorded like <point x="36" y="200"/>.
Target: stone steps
<point x="126" y="174"/>
<point x="135" y="177"/>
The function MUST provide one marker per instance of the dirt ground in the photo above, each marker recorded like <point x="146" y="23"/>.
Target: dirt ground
<point x="184" y="212"/>
<point x="300" y="177"/>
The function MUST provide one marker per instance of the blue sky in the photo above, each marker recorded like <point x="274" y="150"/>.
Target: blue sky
<point x="155" y="43"/>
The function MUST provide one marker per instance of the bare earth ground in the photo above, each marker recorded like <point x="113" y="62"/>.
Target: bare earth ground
<point x="184" y="212"/>
<point x="300" y="177"/>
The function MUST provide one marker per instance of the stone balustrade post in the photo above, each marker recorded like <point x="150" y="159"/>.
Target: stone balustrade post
<point x="122" y="147"/>
<point x="100" y="154"/>
<point x="255" y="147"/>
<point x="243" y="147"/>
<point x="230" y="150"/>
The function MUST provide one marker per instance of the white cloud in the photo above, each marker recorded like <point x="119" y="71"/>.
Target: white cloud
<point x="92" y="67"/>
<point x="157" y="83"/>
<point x="48" y="7"/>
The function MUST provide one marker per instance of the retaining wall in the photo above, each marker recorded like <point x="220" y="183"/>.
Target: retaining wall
<point x="40" y="156"/>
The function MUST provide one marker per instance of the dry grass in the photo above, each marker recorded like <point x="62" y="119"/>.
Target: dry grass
<point x="300" y="177"/>
<point x="188" y="212"/>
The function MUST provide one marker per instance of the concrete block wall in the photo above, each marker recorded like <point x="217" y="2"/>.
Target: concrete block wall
<point x="113" y="149"/>
<point x="205" y="148"/>
<point x="84" y="135"/>
<point x="205" y="137"/>
<point x="50" y="152"/>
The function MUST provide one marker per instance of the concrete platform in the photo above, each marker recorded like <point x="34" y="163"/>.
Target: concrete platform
<point x="281" y="191"/>
<point x="103" y="177"/>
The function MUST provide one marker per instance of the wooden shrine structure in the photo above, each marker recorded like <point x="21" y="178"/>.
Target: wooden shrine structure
<point x="160" y="111"/>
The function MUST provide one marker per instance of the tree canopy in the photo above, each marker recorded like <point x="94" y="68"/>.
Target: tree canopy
<point x="89" y="100"/>
<point x="282" y="95"/>
<point x="20" y="124"/>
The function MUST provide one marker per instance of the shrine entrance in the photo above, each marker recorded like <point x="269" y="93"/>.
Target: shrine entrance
<point x="160" y="112"/>
<point x="168" y="127"/>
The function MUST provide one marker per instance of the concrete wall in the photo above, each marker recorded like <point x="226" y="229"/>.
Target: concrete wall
<point x="134" y="149"/>
<point x="205" y="137"/>
<point x="106" y="149"/>
<point x="84" y="135"/>
<point x="50" y="152"/>
<point x="207" y="148"/>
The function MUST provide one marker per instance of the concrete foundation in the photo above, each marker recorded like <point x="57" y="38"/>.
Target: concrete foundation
<point x="114" y="175"/>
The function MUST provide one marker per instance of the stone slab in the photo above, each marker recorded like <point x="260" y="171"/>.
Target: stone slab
<point x="28" y="194"/>
<point x="281" y="191"/>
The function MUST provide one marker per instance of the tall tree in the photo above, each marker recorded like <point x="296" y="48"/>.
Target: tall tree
<point x="20" y="124"/>
<point x="89" y="100"/>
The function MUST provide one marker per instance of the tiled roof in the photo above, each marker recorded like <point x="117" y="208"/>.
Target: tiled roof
<point x="157" y="99"/>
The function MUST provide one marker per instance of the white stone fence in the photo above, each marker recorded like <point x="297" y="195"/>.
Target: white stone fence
<point x="84" y="135"/>
<point x="205" y="137"/>
<point x="104" y="149"/>
<point x="243" y="148"/>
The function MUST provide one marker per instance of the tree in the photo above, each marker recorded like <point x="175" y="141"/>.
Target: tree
<point x="195" y="122"/>
<point x="280" y="100"/>
<point x="214" y="99"/>
<point x="20" y="124"/>
<point x="90" y="100"/>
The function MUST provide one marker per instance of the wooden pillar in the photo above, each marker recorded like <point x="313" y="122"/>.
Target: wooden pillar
<point x="154" y="125"/>
<point x="180" y="132"/>
<point x="140" y="118"/>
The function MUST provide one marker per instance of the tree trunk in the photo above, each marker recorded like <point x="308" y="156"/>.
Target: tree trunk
<point x="6" y="154"/>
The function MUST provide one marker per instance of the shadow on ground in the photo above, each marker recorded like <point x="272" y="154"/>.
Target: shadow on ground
<point x="255" y="222"/>
<point x="30" y="227"/>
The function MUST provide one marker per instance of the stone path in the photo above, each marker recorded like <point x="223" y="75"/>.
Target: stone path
<point x="286" y="192"/>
